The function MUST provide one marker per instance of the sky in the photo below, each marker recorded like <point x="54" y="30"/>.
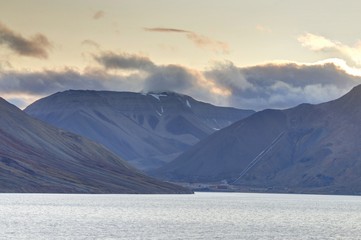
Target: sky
<point x="248" y="54"/>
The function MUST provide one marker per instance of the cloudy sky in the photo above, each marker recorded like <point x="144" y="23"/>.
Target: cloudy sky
<point x="247" y="54"/>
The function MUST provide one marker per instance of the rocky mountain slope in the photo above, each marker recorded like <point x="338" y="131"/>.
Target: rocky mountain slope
<point x="147" y="130"/>
<point x="36" y="157"/>
<point x="309" y="148"/>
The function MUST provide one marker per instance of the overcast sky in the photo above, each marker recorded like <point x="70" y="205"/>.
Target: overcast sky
<point x="247" y="54"/>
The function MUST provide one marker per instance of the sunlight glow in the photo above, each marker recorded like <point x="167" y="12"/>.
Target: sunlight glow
<point x="342" y="65"/>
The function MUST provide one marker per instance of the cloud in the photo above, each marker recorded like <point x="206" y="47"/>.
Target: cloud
<point x="88" y="42"/>
<point x="154" y="77"/>
<point x="282" y="85"/>
<point x="125" y="61"/>
<point x="14" y="85"/>
<point x="316" y="42"/>
<point x="98" y="15"/>
<point x="36" y="46"/>
<point x="164" y="78"/>
<point x="199" y="40"/>
<point x="319" y="43"/>
<point x="274" y="85"/>
<point x="170" y="30"/>
<point x="38" y="83"/>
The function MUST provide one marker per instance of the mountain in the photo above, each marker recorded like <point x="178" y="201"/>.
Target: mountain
<point x="309" y="148"/>
<point x="147" y="130"/>
<point x="36" y="157"/>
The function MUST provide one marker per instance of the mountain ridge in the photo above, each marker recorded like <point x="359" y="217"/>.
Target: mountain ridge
<point x="148" y="130"/>
<point x="308" y="148"/>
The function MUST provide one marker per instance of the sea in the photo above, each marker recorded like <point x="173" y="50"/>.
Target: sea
<point x="198" y="216"/>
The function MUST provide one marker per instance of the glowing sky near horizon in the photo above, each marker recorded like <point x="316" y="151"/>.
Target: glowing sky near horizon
<point x="222" y="46"/>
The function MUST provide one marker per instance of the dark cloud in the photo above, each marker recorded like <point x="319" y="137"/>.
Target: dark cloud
<point x="258" y="87"/>
<point x="198" y="39"/>
<point x="124" y="61"/>
<point x="170" y="30"/>
<point x="48" y="82"/>
<point x="282" y="86"/>
<point x="39" y="83"/>
<point x="88" y="42"/>
<point x="171" y="77"/>
<point x="98" y="15"/>
<point x="36" y="46"/>
<point x="22" y="88"/>
<point x="298" y="75"/>
<point x="157" y="78"/>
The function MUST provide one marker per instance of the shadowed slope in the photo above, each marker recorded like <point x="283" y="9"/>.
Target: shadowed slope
<point x="35" y="157"/>
<point x="309" y="148"/>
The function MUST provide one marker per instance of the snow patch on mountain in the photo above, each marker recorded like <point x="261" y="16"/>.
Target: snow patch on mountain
<point x="157" y="95"/>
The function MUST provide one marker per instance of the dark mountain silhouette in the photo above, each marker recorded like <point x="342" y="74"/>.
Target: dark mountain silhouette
<point x="309" y="148"/>
<point x="36" y="157"/>
<point x="147" y="130"/>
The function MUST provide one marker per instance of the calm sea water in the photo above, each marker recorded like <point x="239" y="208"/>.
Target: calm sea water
<point x="199" y="216"/>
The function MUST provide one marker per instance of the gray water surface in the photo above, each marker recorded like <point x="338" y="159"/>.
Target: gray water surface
<point x="198" y="216"/>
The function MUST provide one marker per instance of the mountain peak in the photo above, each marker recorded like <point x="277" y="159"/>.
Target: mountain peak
<point x="355" y="91"/>
<point x="348" y="101"/>
<point x="6" y="106"/>
<point x="3" y="101"/>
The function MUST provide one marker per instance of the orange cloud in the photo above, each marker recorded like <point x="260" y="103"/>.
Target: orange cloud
<point x="317" y="42"/>
<point x="320" y="43"/>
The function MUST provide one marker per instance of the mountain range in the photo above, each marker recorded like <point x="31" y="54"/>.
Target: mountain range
<point x="305" y="149"/>
<point x="147" y="130"/>
<point x="36" y="157"/>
